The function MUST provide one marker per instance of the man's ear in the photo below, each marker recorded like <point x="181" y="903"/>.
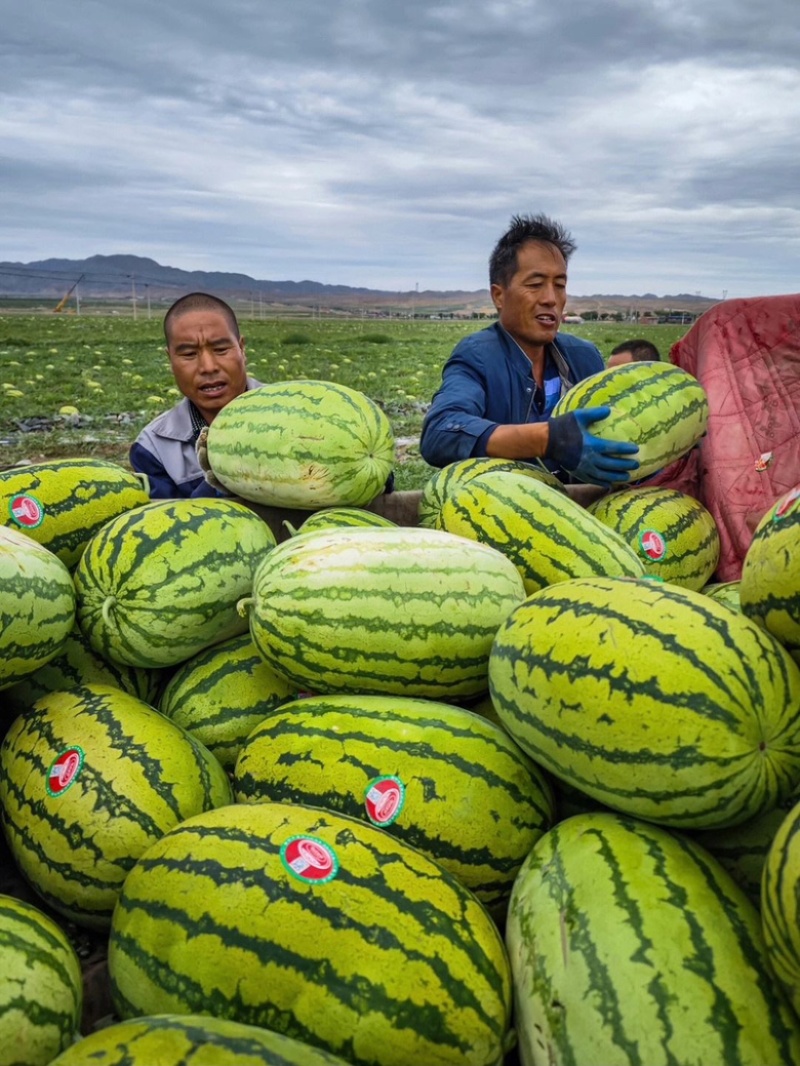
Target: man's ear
<point x="242" y="346"/>
<point x="496" y="292"/>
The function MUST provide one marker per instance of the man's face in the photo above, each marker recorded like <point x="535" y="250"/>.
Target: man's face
<point x="207" y="360"/>
<point x="531" y="305"/>
<point x="619" y="358"/>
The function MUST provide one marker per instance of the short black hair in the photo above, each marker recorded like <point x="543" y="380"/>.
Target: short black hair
<point x="524" y="228"/>
<point x="199" y="301"/>
<point x="642" y="351"/>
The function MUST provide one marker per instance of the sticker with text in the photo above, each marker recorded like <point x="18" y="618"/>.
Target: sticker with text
<point x="64" y="770"/>
<point x="26" y="511"/>
<point x="653" y="544"/>
<point x="309" y="859"/>
<point x="384" y="799"/>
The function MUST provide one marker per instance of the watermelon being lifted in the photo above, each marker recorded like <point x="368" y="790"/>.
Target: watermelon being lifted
<point x="657" y="406"/>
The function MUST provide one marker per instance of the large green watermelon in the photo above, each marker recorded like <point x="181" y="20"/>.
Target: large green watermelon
<point x="302" y="444"/>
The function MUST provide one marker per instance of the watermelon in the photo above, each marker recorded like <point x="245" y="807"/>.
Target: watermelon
<point x="88" y="780"/>
<point x="78" y="664"/>
<point x="178" y="1040"/>
<point x="41" y="989"/>
<point x="743" y="849"/>
<point x="547" y="536"/>
<point x="440" y="484"/>
<point x="302" y="444"/>
<point x="630" y="946"/>
<point x="440" y="778"/>
<point x="657" y="406"/>
<point x="724" y="592"/>
<point x="222" y="694"/>
<point x="382" y="612"/>
<point x="62" y="503"/>
<point x="780" y="893"/>
<point x="652" y="699"/>
<point x="341" y="518"/>
<point x="315" y="925"/>
<point x="769" y="591"/>
<point x="37" y="606"/>
<point x="160" y="583"/>
<point x="673" y="534"/>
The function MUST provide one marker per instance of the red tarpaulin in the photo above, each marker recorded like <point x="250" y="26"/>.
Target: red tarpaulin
<point x="746" y="355"/>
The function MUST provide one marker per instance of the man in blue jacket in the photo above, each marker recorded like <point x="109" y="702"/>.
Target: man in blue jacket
<point x="207" y="358"/>
<point x="499" y="386"/>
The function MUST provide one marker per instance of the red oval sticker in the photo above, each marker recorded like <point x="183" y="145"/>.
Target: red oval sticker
<point x="309" y="859"/>
<point x="653" y="544"/>
<point x="384" y="799"/>
<point x="26" y="511"/>
<point x="64" y="770"/>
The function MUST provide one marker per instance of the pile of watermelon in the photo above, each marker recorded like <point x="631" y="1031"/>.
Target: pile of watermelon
<point x="516" y="784"/>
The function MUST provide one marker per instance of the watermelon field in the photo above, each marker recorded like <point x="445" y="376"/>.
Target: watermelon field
<point x="114" y="371"/>
<point x="293" y="776"/>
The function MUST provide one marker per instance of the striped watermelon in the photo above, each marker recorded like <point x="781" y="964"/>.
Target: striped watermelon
<point x="724" y="592"/>
<point x="180" y="1040"/>
<point x="652" y="699"/>
<point x="770" y="587"/>
<point x="633" y="947"/>
<point x="742" y="849"/>
<point x="78" y="664"/>
<point x="315" y="925"/>
<point x="440" y="778"/>
<point x="657" y="406"/>
<point x="41" y="989"/>
<point x="341" y="518"/>
<point x="303" y="444"/>
<point x="222" y="694"/>
<point x="62" y="503"/>
<point x="673" y="534"/>
<point x="37" y="606"/>
<point x="439" y="486"/>
<point x="409" y="612"/>
<point x="545" y="534"/>
<point x="780" y="896"/>
<point x="160" y="583"/>
<point x="88" y="780"/>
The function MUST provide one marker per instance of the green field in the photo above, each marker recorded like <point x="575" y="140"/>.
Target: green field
<point x="114" y="370"/>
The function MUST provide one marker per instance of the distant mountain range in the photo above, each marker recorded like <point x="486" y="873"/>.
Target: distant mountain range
<point x="116" y="278"/>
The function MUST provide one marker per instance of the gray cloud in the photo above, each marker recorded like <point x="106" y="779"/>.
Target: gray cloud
<point x="385" y="145"/>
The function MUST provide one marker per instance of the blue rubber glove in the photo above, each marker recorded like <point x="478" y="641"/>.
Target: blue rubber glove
<point x="591" y="459"/>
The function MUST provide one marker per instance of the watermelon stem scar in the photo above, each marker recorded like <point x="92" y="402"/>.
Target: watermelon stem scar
<point x="243" y="606"/>
<point x="108" y="605"/>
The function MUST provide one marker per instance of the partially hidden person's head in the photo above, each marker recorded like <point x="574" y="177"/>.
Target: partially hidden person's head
<point x="528" y="278"/>
<point x="636" y="351"/>
<point x="206" y="351"/>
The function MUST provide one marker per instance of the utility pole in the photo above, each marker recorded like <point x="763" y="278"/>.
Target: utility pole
<point x="133" y="295"/>
<point x="147" y="292"/>
<point x="77" y="298"/>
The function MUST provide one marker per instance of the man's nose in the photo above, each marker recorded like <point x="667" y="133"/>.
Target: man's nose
<point x="206" y="361"/>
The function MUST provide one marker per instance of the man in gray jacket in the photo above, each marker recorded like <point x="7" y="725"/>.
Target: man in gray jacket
<point x="207" y="356"/>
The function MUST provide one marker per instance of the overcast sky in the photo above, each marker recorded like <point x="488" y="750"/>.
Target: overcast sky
<point x="384" y="144"/>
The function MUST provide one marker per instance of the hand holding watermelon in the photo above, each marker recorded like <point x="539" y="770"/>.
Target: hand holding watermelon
<point x="591" y="459"/>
